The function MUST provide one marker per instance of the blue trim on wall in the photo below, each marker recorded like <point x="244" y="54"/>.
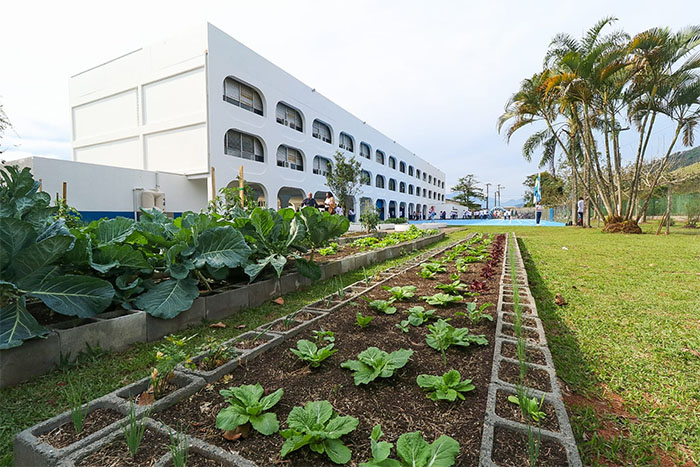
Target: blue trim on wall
<point x="89" y="216"/>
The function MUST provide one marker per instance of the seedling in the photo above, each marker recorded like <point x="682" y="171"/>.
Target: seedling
<point x="383" y="306"/>
<point x="78" y="413"/>
<point x="401" y="293"/>
<point x="435" y="267"/>
<point x="179" y="448"/>
<point x="529" y="406"/>
<point x="477" y="314"/>
<point x="455" y="287"/>
<point x="134" y="430"/>
<point x="328" y="336"/>
<point x="363" y="321"/>
<point x="447" y="387"/>
<point x="219" y="353"/>
<point x="368" y="277"/>
<point x="168" y="357"/>
<point x="381" y="450"/>
<point x="320" y="427"/>
<point x="427" y="274"/>
<point x="247" y="405"/>
<point x="374" y="363"/>
<point x="443" y="335"/>
<point x="309" y="352"/>
<point x="454" y="276"/>
<point x="442" y="299"/>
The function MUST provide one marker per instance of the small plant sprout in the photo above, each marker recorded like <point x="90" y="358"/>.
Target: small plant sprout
<point x="477" y="314"/>
<point x="447" y="387"/>
<point x="218" y="354"/>
<point x="134" y="430"/>
<point x="363" y="321"/>
<point x="435" y="267"/>
<point x="454" y="276"/>
<point x="441" y="299"/>
<point x="529" y="406"/>
<point x="401" y="293"/>
<point x="427" y="274"/>
<point x="374" y="363"/>
<point x="322" y="335"/>
<point x="443" y="335"/>
<point x="367" y="277"/>
<point x="320" y="427"/>
<point x="339" y="289"/>
<point x="455" y="287"/>
<point x="179" y="448"/>
<point x="247" y="405"/>
<point x="383" y="306"/>
<point x="309" y="352"/>
<point x="381" y="450"/>
<point x="78" y="413"/>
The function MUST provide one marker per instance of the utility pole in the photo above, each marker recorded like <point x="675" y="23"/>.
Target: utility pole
<point x="500" y="187"/>
<point x="487" y="195"/>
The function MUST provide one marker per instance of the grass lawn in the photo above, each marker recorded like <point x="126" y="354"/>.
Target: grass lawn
<point x="627" y="345"/>
<point x="97" y="373"/>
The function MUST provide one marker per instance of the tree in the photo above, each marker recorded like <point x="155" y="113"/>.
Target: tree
<point x="551" y="188"/>
<point x="466" y="189"/>
<point x="344" y="177"/>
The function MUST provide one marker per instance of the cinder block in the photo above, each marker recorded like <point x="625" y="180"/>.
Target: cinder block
<point x="187" y="385"/>
<point x="292" y="282"/>
<point x="262" y="291"/>
<point x="129" y="325"/>
<point x="34" y="357"/>
<point x="157" y="328"/>
<point x="331" y="269"/>
<point x="226" y="302"/>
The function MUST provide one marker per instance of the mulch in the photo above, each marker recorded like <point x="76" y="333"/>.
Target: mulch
<point x="153" y="446"/>
<point x="65" y="435"/>
<point x="510" y="449"/>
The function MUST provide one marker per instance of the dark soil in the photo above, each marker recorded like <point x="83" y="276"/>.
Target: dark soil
<point x="65" y="434"/>
<point x="530" y="335"/>
<point x="397" y="402"/>
<point x="525" y="320"/>
<point x="533" y="355"/>
<point x="511" y="411"/>
<point x="510" y="449"/>
<point x="153" y="446"/>
<point x="284" y="325"/>
<point x="305" y="316"/>
<point x="251" y="343"/>
<point x="195" y="459"/>
<point x="526" y="310"/>
<point x="629" y="227"/>
<point x="535" y="378"/>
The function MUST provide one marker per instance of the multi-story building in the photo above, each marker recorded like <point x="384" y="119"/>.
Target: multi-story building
<point x="192" y="109"/>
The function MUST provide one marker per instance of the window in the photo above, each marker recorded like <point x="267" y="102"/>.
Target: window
<point x="322" y="166"/>
<point x="392" y="162"/>
<point x="402" y="187"/>
<point x="402" y="167"/>
<point x="410" y="170"/>
<point x="418" y="173"/>
<point x="380" y="182"/>
<point x="290" y="117"/>
<point x="430" y="179"/>
<point x="321" y="131"/>
<point x="289" y="157"/>
<point x="392" y="184"/>
<point x="245" y="146"/>
<point x="380" y="157"/>
<point x="424" y="176"/>
<point x="365" y="178"/>
<point x="410" y="189"/>
<point x="365" y="151"/>
<point x="346" y="142"/>
<point x="242" y="95"/>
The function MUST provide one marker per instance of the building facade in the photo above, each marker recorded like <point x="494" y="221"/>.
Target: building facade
<point x="200" y="105"/>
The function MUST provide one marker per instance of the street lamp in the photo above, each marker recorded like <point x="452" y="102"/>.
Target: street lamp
<point x="487" y="196"/>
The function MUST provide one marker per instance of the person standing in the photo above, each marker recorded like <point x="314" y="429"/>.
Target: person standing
<point x="351" y="215"/>
<point x="330" y="203"/>
<point x="309" y="201"/>
<point x="579" y="213"/>
<point x="538" y="213"/>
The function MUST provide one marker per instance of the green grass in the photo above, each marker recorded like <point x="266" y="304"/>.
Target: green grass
<point x="633" y="315"/>
<point x="98" y="373"/>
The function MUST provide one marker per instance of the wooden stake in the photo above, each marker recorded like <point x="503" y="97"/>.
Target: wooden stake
<point x="241" y="186"/>
<point x="213" y="183"/>
<point x="65" y="192"/>
<point x="41" y="184"/>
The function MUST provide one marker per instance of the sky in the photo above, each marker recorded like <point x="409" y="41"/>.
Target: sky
<point x="434" y="76"/>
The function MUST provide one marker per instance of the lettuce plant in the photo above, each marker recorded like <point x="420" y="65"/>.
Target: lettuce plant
<point x="417" y="315"/>
<point x="442" y="299"/>
<point x="414" y="451"/>
<point x="529" y="406"/>
<point x="383" y="306"/>
<point x="435" y="267"/>
<point x="309" y="352"/>
<point x="442" y="335"/>
<point x="446" y="387"/>
<point x="374" y="363"/>
<point x="247" y="404"/>
<point x="320" y="427"/>
<point x="456" y="287"/>
<point x="477" y="314"/>
<point x="363" y="321"/>
<point x="427" y="274"/>
<point x="381" y="450"/>
<point x="331" y="249"/>
<point x="401" y="292"/>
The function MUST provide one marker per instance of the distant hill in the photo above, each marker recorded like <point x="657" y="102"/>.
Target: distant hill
<point x="518" y="203"/>
<point x="684" y="158"/>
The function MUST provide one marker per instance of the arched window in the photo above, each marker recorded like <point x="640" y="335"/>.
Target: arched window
<point x="380" y="157"/>
<point x="322" y="166"/>
<point x="245" y="146"/>
<point x="365" y="178"/>
<point x="290" y="117"/>
<point x="365" y="151"/>
<point x="424" y="176"/>
<point x="430" y="179"/>
<point x="346" y="142"/>
<point x="321" y="131"/>
<point x="410" y="189"/>
<point x="430" y="194"/>
<point x="392" y="184"/>
<point x="418" y="173"/>
<point x="410" y="170"/>
<point x="242" y="95"/>
<point x="402" y="167"/>
<point x="402" y="187"/>
<point x="392" y="162"/>
<point x="290" y="157"/>
<point x="379" y="182"/>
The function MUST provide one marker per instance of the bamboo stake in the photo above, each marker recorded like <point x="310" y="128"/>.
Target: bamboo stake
<point x="65" y="192"/>
<point x="213" y="183"/>
<point x="241" y="187"/>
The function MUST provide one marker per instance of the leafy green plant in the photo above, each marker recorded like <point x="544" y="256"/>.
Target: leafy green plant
<point x="363" y="321"/>
<point x="529" y="406"/>
<point x="247" y="405"/>
<point x="381" y="450"/>
<point x="418" y="315"/>
<point x="447" y="387"/>
<point x="168" y="356"/>
<point x="328" y="336"/>
<point x="329" y="250"/>
<point x="309" y="352"/>
<point x="322" y="227"/>
<point x="179" y="448"/>
<point x="134" y="430"/>
<point x="427" y="273"/>
<point x="454" y="276"/>
<point x="435" y="267"/>
<point x="477" y="314"/>
<point x="373" y="363"/>
<point x="456" y="287"/>
<point x="78" y="413"/>
<point x="365" y="242"/>
<point x="218" y="353"/>
<point x="401" y="292"/>
<point x="414" y="451"/>
<point x="442" y="299"/>
<point x="370" y="220"/>
<point x="320" y="427"/>
<point x="367" y="277"/>
<point x="383" y="306"/>
<point x="443" y="335"/>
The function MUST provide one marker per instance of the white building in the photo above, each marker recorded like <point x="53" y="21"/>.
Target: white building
<point x="169" y="113"/>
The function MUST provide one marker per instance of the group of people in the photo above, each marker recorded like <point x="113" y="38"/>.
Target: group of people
<point x="329" y="205"/>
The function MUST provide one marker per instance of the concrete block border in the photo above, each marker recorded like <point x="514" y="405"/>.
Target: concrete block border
<point x="565" y="435"/>
<point x="187" y="385"/>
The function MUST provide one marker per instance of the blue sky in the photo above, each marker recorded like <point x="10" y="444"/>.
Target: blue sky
<point x="434" y="76"/>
